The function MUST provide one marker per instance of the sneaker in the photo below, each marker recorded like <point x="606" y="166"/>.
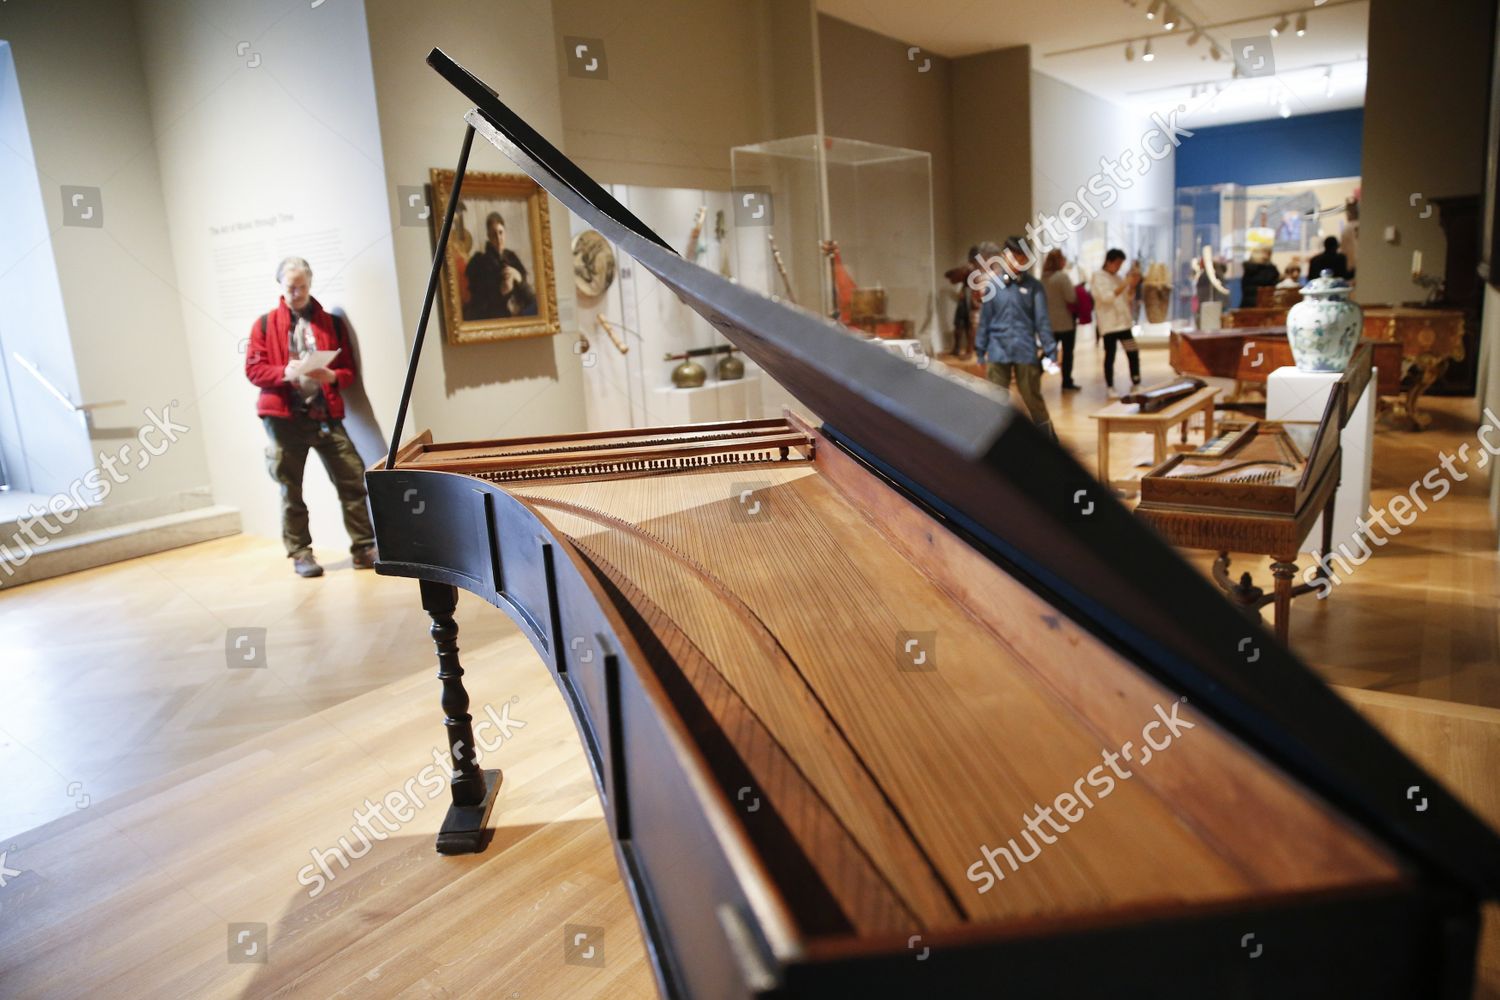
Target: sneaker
<point x="365" y="558"/>
<point x="306" y="565"/>
<point x="1071" y="386"/>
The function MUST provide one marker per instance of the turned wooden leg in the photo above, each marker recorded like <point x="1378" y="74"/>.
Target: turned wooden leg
<point x="1284" y="570"/>
<point x="1328" y="531"/>
<point x="473" y="789"/>
<point x="1104" y="452"/>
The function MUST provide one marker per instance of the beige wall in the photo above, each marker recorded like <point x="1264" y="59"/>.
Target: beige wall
<point x="1424" y="132"/>
<point x="687" y="81"/>
<point x="84" y="91"/>
<point x="873" y="92"/>
<point x="499" y="389"/>
<point x="267" y="153"/>
<point x="991" y="98"/>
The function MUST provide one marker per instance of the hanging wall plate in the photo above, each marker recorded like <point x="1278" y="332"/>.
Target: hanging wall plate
<point x="593" y="263"/>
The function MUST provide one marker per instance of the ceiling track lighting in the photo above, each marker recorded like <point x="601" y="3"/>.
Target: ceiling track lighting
<point x="1152" y="10"/>
<point x="1129" y="51"/>
<point x="1301" y="25"/>
<point x="1169" y="20"/>
<point x="1216" y="52"/>
<point x="1148" y="55"/>
<point x="1196" y="36"/>
<point x="1279" y="26"/>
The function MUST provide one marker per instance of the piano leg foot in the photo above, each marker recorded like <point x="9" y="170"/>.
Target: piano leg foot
<point x="473" y="790"/>
<point x="465" y="829"/>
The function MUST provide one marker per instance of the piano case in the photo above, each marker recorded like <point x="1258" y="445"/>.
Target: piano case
<point x="906" y="701"/>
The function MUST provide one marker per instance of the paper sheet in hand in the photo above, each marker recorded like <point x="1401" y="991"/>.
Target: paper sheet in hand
<point x="317" y="359"/>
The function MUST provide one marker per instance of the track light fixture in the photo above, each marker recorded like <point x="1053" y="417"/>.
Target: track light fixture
<point x="1151" y="11"/>
<point x="1129" y="51"/>
<point x="1301" y="25"/>
<point x="1196" y="36"/>
<point x="1169" y="19"/>
<point x="1148" y="55"/>
<point x="1216" y="52"/>
<point x="1279" y="26"/>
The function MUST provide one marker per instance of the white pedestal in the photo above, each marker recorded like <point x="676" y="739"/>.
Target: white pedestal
<point x="712" y="401"/>
<point x="1153" y="333"/>
<point x="1292" y="394"/>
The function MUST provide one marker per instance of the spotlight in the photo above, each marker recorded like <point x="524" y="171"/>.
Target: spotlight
<point x="1216" y="53"/>
<point x="1301" y="25"/>
<point x="1279" y="26"/>
<point x="1169" y="20"/>
<point x="1151" y="10"/>
<point x="1286" y="112"/>
<point x="1194" y="38"/>
<point x="1129" y="51"/>
<point x="1148" y="55"/>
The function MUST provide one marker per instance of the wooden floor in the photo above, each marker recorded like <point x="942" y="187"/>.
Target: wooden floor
<point x="202" y="789"/>
<point x="139" y="895"/>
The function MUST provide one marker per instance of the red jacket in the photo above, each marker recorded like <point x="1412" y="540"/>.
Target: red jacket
<point x="267" y="356"/>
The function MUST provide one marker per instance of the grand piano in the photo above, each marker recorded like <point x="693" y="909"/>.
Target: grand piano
<point x="879" y="704"/>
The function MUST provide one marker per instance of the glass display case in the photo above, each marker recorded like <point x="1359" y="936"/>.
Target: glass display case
<point x="1289" y="220"/>
<point x="1201" y="223"/>
<point x="842" y="228"/>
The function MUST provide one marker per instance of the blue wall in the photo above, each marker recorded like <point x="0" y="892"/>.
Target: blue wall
<point x="1302" y="148"/>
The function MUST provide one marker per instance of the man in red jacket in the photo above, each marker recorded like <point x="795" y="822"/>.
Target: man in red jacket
<point x="305" y="411"/>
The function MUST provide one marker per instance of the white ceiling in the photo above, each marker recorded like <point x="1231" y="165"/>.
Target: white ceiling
<point x="1082" y="42"/>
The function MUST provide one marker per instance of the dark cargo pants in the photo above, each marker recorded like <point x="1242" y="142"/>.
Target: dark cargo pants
<point x="286" y="458"/>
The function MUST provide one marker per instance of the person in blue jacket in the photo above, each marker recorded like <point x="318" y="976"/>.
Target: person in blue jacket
<point x="1015" y="331"/>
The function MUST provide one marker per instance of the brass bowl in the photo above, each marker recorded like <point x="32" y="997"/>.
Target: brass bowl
<point x="730" y="368"/>
<point x="689" y="375"/>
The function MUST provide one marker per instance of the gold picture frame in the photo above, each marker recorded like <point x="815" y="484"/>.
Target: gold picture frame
<point x="487" y="294"/>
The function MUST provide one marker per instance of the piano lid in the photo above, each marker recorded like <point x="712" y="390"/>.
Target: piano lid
<point x="1028" y="505"/>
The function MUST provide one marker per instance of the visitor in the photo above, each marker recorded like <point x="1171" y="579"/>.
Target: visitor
<point x="1012" y="322"/>
<point x="1330" y="260"/>
<point x="1259" y="273"/>
<point x="1062" y="311"/>
<point x="1292" y="278"/>
<point x="968" y="304"/>
<point x="1113" y="296"/>
<point x="303" y="410"/>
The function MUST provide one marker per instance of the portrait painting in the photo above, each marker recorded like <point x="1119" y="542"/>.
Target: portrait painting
<point x="497" y="275"/>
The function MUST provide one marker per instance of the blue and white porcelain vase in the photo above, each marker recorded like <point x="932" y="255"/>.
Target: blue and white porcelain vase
<point x="1324" y="328"/>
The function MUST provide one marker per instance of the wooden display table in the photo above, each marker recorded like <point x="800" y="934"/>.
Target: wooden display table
<point x="1127" y="418"/>
<point x="1430" y="340"/>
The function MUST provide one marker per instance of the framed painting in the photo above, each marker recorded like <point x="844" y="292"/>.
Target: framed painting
<point x="497" y="281"/>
